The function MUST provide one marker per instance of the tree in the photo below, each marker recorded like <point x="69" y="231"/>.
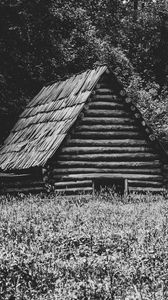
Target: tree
<point x="42" y="41"/>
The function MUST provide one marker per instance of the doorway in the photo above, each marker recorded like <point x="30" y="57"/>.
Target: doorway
<point x="111" y="185"/>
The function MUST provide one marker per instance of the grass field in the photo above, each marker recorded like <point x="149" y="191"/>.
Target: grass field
<point x="101" y="248"/>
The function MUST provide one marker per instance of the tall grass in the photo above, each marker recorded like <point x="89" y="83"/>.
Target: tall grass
<point x="101" y="248"/>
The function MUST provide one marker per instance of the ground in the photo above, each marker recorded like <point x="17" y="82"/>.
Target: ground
<point x="104" y="247"/>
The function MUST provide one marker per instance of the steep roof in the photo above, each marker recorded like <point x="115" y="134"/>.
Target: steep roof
<point x="46" y="120"/>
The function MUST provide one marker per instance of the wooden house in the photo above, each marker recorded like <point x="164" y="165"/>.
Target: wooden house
<point x="80" y="134"/>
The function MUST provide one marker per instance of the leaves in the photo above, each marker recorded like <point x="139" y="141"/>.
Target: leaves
<point x="42" y="41"/>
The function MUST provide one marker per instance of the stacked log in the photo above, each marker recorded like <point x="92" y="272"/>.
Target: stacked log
<point x="26" y="182"/>
<point x="107" y="142"/>
<point x="165" y="175"/>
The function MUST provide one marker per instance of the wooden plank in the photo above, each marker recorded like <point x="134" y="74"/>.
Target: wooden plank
<point x="71" y="163"/>
<point x="23" y="190"/>
<point x="91" y="142"/>
<point x="78" y="149"/>
<point x="126" y="187"/>
<point x="66" y="170"/>
<point x="104" y="91"/>
<point x="109" y="157"/>
<point x="13" y="176"/>
<point x="144" y="183"/>
<point x="106" y="113"/>
<point x="111" y="176"/>
<point x="106" y="105"/>
<point x="107" y="135"/>
<point x="146" y="189"/>
<point x="105" y="97"/>
<point x="106" y="128"/>
<point x="73" y="183"/>
<point x="107" y="120"/>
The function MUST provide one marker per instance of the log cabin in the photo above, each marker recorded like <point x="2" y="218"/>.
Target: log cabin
<point x="81" y="134"/>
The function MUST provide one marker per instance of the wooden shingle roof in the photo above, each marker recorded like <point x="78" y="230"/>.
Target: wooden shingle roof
<point x="44" y="124"/>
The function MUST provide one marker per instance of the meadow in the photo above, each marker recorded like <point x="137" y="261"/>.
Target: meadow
<point x="102" y="247"/>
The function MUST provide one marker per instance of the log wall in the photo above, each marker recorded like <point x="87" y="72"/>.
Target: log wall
<point x="27" y="181"/>
<point x="106" y="142"/>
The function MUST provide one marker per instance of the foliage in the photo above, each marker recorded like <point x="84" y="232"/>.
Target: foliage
<point x="102" y="248"/>
<point x="42" y="41"/>
<point x="151" y="103"/>
<point x="154" y="109"/>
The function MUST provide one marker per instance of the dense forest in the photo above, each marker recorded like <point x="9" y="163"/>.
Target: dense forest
<point x="43" y="41"/>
